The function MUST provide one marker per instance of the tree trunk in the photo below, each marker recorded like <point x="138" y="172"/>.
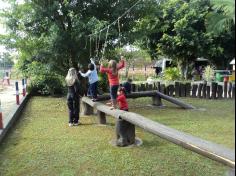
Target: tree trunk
<point x="183" y="67"/>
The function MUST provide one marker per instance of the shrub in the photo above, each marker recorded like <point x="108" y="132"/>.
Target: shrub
<point x="103" y="83"/>
<point x="44" y="81"/>
<point x="172" y="74"/>
<point x="208" y="73"/>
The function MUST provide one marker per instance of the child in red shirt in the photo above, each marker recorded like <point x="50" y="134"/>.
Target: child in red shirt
<point x="113" y="78"/>
<point x="121" y="99"/>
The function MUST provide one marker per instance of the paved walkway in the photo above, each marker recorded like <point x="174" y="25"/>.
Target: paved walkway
<point x="8" y="98"/>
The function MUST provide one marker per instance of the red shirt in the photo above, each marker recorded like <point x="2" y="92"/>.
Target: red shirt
<point x="113" y="79"/>
<point x="121" y="99"/>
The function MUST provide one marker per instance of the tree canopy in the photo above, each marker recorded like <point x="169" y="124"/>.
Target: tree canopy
<point x="58" y="32"/>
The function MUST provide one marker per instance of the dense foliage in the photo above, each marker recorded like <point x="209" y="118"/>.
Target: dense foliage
<point x="57" y="33"/>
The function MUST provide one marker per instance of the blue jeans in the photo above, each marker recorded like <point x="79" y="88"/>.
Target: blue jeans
<point x="93" y="90"/>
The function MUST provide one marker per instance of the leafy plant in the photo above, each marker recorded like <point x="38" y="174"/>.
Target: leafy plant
<point x="172" y="74"/>
<point x="44" y="81"/>
<point x="208" y="73"/>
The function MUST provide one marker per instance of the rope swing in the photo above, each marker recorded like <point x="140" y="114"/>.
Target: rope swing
<point x="105" y="44"/>
<point x="118" y="22"/>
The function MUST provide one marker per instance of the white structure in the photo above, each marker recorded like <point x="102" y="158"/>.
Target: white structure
<point x="233" y="63"/>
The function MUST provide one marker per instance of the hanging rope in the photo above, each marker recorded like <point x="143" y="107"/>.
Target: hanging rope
<point x="86" y="43"/>
<point x="90" y="48"/>
<point x="98" y="44"/>
<point x="114" y="22"/>
<point x="105" y="44"/>
<point x="119" y="31"/>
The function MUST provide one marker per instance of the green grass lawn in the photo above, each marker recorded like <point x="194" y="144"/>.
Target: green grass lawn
<point x="41" y="143"/>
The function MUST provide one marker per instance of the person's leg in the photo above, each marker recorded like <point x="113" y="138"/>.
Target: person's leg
<point x="71" y="110"/>
<point x="76" y="111"/>
<point x="114" y="90"/>
<point x="89" y="91"/>
<point x="94" y="90"/>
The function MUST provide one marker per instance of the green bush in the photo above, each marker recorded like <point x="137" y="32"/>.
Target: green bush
<point x="43" y="81"/>
<point x="172" y="74"/>
<point x="103" y="85"/>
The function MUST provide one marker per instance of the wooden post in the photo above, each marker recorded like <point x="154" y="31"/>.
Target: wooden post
<point x="233" y="91"/>
<point x="86" y="109"/>
<point x="171" y="90"/>
<point x="154" y="86"/>
<point x="156" y="100"/>
<point x="176" y="89"/>
<point x="199" y="93"/>
<point x="214" y="89"/>
<point x="133" y="88"/>
<point x="225" y="89"/>
<point x="168" y="90"/>
<point x="146" y="87"/>
<point x="136" y="87"/>
<point x="188" y="89"/>
<point x="208" y="92"/>
<point x="125" y="133"/>
<point x="182" y="90"/>
<point x="194" y="90"/>
<point x="163" y="89"/>
<point x="220" y="91"/>
<point x="139" y="88"/>
<point x="230" y="90"/>
<point x="204" y="89"/>
<point x="159" y="86"/>
<point x="150" y="87"/>
<point x="101" y="117"/>
<point x="142" y="87"/>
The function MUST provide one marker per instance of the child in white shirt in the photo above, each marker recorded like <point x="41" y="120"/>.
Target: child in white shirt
<point x="93" y="79"/>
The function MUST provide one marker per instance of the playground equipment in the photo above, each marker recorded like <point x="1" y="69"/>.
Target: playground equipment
<point x="206" y="148"/>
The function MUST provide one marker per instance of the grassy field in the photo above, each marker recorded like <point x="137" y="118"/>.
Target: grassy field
<point x="41" y="143"/>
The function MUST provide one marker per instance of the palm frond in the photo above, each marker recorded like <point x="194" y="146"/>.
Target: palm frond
<point x="218" y="23"/>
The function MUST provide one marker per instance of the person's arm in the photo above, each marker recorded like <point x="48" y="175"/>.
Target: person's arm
<point x="92" y="62"/>
<point x="85" y="74"/>
<point x="104" y="69"/>
<point x="121" y="64"/>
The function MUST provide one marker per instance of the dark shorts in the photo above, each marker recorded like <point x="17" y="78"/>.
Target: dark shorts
<point x="113" y="91"/>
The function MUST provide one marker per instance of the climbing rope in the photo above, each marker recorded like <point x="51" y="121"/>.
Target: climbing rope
<point x="118" y="22"/>
<point x="105" y="44"/>
<point x="90" y="47"/>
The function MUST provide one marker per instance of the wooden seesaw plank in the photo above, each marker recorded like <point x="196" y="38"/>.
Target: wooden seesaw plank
<point x="206" y="148"/>
<point x="152" y="94"/>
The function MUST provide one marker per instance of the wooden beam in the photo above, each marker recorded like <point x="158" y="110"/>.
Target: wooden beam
<point x="208" y="149"/>
<point x="152" y="94"/>
<point x="175" y="101"/>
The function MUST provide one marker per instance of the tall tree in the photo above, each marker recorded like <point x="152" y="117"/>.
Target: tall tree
<point x="177" y="30"/>
<point x="56" y="32"/>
